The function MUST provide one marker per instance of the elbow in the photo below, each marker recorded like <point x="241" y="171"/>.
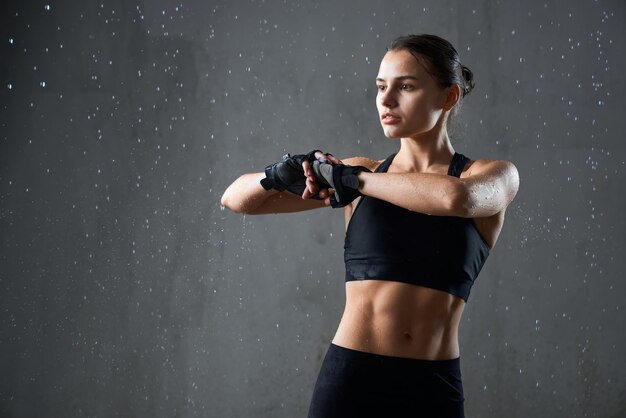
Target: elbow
<point x="227" y="202"/>
<point x="224" y="200"/>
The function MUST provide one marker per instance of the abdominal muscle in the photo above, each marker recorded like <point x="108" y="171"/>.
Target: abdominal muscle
<point x="400" y="319"/>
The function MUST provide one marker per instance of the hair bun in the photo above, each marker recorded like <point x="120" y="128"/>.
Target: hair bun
<point x="468" y="78"/>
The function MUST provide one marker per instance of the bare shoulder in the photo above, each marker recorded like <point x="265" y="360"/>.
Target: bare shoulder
<point x="363" y="161"/>
<point x="490" y="167"/>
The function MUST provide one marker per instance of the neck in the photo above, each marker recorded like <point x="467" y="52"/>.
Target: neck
<point x="424" y="153"/>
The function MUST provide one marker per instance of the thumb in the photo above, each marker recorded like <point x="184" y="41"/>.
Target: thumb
<point x="325" y="171"/>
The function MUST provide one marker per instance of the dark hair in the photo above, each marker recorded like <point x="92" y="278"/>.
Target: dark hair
<point x="440" y="59"/>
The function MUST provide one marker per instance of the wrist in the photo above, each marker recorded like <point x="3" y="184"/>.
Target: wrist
<point x="362" y="176"/>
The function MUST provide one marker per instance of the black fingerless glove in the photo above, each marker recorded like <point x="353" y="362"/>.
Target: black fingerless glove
<point x="288" y="174"/>
<point x="342" y="178"/>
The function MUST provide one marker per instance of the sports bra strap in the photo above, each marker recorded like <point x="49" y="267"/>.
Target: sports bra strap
<point x="457" y="164"/>
<point x="384" y="166"/>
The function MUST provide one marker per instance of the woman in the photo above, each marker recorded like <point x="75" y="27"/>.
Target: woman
<point x="419" y="227"/>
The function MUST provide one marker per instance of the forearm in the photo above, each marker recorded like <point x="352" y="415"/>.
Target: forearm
<point x="433" y="194"/>
<point x="488" y="190"/>
<point x="246" y="193"/>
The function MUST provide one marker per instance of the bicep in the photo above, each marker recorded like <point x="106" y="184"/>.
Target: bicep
<point x="489" y="188"/>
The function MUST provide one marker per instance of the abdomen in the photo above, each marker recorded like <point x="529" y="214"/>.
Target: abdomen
<point x="400" y="319"/>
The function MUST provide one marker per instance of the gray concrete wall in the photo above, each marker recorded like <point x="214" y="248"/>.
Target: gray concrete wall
<point x="125" y="290"/>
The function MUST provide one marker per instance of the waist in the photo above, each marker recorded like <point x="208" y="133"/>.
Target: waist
<point x="398" y="319"/>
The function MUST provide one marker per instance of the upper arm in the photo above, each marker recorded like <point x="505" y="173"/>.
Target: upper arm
<point x="487" y="189"/>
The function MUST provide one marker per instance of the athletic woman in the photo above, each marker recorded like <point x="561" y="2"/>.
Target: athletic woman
<point x="420" y="225"/>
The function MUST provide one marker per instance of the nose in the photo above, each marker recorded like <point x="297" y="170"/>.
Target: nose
<point x="387" y="98"/>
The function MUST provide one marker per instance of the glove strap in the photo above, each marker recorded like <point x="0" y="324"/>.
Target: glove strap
<point x="346" y="185"/>
<point x="266" y="183"/>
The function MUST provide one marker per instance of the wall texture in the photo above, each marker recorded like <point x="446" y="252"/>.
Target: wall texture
<point x="126" y="290"/>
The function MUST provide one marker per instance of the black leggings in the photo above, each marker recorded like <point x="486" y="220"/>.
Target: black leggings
<point x="353" y="383"/>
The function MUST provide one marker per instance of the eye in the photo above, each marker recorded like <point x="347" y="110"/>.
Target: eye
<point x="381" y="87"/>
<point x="406" y="87"/>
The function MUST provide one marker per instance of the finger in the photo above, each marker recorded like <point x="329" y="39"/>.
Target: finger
<point x="322" y="194"/>
<point x="307" y="168"/>
<point x="320" y="155"/>
<point x="309" y="191"/>
<point x="334" y="159"/>
<point x="312" y="179"/>
<point x="312" y="187"/>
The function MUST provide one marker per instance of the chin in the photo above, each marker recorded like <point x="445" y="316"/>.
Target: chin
<point x="392" y="135"/>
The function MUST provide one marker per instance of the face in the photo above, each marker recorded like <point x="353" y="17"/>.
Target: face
<point x="409" y="101"/>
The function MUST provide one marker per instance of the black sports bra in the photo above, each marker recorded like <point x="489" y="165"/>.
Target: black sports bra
<point x="387" y="242"/>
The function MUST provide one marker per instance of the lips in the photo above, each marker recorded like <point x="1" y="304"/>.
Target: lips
<point x="389" y="118"/>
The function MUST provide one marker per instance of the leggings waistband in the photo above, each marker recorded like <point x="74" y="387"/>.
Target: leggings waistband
<point x="352" y="355"/>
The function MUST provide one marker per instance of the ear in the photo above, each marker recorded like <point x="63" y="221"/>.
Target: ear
<point x="451" y="96"/>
